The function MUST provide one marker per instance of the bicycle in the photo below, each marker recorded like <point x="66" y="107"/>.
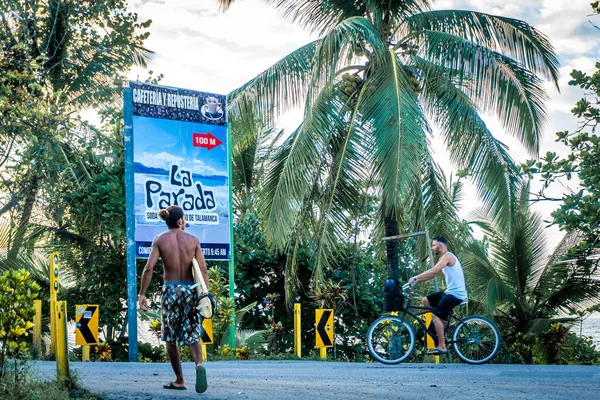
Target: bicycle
<point x="391" y="339"/>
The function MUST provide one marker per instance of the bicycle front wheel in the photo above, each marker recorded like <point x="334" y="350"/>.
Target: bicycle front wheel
<point x="476" y="340"/>
<point x="390" y="340"/>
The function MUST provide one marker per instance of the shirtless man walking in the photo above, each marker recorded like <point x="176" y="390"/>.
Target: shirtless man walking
<point x="181" y="321"/>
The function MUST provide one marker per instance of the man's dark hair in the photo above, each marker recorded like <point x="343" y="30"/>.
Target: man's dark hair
<point x="441" y="239"/>
<point x="171" y="215"/>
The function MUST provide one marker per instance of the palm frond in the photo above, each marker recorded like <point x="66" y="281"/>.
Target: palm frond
<point x="338" y="49"/>
<point x="342" y="195"/>
<point x="441" y="213"/>
<point x="224" y="4"/>
<point x="392" y="115"/>
<point x="471" y="144"/>
<point x="321" y="16"/>
<point x="494" y="82"/>
<point x="484" y="282"/>
<point x="289" y="176"/>
<point x="512" y="37"/>
<point x="281" y="87"/>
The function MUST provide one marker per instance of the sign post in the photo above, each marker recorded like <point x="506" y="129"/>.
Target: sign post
<point x="177" y="152"/>
<point x="130" y="226"/>
<point x="232" y="343"/>
<point x="324" y="330"/>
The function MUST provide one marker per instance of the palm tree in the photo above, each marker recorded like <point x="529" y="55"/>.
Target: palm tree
<point x="382" y="75"/>
<point x="523" y="288"/>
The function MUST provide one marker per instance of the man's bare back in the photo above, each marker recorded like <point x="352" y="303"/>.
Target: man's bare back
<point x="177" y="249"/>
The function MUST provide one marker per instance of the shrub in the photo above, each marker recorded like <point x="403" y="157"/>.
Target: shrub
<point x="16" y="318"/>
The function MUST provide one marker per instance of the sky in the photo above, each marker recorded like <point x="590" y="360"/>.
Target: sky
<point x="196" y="47"/>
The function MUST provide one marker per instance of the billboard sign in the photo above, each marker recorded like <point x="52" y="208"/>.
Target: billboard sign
<point x="180" y="157"/>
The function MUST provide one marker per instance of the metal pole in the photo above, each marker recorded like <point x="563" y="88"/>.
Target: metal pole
<point x="130" y="224"/>
<point x="231" y="243"/>
<point x="403" y="236"/>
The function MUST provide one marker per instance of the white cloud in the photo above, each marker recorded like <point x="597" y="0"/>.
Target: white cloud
<point x="201" y="168"/>
<point x="162" y="160"/>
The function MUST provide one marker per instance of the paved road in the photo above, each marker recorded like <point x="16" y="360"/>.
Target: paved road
<point x="333" y="380"/>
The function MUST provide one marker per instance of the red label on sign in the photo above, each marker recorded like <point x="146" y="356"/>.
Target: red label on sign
<point x="206" y="140"/>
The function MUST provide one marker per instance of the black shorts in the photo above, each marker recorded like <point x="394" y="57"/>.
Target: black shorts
<point x="443" y="303"/>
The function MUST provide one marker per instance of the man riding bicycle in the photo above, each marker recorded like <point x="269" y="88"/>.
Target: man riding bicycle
<point x="443" y="302"/>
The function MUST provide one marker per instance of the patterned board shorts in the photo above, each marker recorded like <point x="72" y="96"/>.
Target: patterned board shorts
<point x="181" y="321"/>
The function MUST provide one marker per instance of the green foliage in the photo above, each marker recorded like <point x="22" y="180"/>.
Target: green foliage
<point x="273" y="329"/>
<point x="580" y="209"/>
<point x="522" y="288"/>
<point x="227" y="310"/>
<point x="85" y="47"/>
<point x="16" y="316"/>
<point x="33" y="387"/>
<point x="102" y="351"/>
<point x="149" y="353"/>
<point x="354" y="289"/>
<point x="556" y="345"/>
<point x="578" y="350"/>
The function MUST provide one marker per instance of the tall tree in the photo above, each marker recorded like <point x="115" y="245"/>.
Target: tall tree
<point x="82" y="51"/>
<point x="382" y="75"/>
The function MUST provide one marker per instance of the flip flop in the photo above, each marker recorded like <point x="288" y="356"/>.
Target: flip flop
<point x="201" y="384"/>
<point x="171" y="385"/>
<point x="436" y="352"/>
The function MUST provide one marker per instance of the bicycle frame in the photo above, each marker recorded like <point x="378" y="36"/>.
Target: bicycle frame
<point x="453" y="320"/>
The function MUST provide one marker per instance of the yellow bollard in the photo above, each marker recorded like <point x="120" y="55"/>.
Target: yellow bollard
<point x="429" y="339"/>
<point x="297" y="330"/>
<point x="323" y="353"/>
<point x="203" y="352"/>
<point x="37" y="327"/>
<point x="62" y="343"/>
<point x="85" y="353"/>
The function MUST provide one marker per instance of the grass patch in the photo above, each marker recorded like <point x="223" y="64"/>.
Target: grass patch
<point x="45" y="390"/>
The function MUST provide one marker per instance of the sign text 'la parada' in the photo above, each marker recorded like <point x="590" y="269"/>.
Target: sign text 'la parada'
<point x="183" y="191"/>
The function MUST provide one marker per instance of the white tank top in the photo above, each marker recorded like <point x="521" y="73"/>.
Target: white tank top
<point x="455" y="280"/>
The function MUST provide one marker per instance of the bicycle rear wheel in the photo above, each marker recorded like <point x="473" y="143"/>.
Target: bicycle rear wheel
<point x="390" y="340"/>
<point x="476" y="340"/>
